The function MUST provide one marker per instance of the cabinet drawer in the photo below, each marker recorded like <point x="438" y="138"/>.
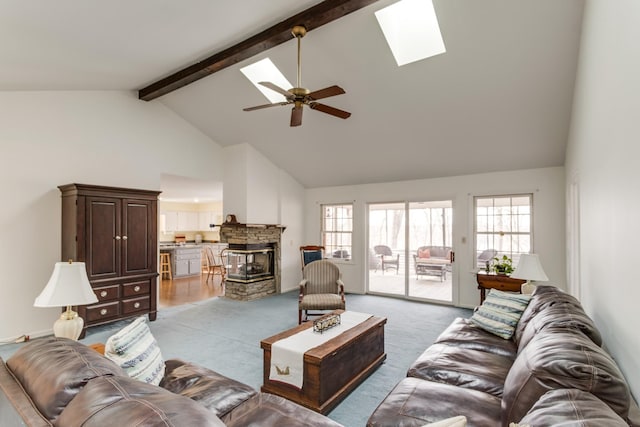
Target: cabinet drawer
<point x="107" y="293"/>
<point x="135" y="304"/>
<point x="100" y="312"/>
<point x="135" y="288"/>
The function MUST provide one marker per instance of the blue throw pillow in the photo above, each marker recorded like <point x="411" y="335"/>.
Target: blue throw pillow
<point x="500" y="312"/>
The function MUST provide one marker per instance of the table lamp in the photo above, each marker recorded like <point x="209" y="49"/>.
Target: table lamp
<point x="68" y="285"/>
<point x="529" y="268"/>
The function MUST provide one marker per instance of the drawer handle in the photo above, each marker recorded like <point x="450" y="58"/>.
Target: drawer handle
<point x="103" y="311"/>
<point x="103" y="294"/>
<point x="136" y="305"/>
<point x="136" y="288"/>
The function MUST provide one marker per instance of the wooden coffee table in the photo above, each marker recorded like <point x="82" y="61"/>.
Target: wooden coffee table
<point x="331" y="370"/>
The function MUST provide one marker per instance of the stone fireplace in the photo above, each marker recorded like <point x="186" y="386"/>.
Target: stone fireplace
<point x="252" y="259"/>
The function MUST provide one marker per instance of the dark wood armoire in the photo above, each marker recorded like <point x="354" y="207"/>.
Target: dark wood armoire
<point x="114" y="232"/>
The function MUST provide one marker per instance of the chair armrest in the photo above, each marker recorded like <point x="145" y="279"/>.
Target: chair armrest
<point x="340" y="288"/>
<point x="303" y="285"/>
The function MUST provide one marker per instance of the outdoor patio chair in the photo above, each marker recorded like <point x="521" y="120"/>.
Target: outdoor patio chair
<point x="486" y="256"/>
<point x="387" y="259"/>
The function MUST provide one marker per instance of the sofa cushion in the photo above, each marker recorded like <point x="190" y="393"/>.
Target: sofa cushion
<point x="543" y="296"/>
<point x="268" y="410"/>
<point x="215" y="392"/>
<point x="414" y="402"/>
<point x="124" y="401"/>
<point x="465" y="334"/>
<point x="500" y="312"/>
<point x="462" y="367"/>
<point x="563" y="316"/>
<point x="52" y="371"/>
<point x="560" y="358"/>
<point x="424" y="253"/>
<point x="571" y="407"/>
<point x="135" y="350"/>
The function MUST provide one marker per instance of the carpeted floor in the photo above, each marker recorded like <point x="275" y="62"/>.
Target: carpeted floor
<point x="224" y="335"/>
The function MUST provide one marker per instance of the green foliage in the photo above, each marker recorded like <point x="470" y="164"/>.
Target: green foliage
<point x="502" y="265"/>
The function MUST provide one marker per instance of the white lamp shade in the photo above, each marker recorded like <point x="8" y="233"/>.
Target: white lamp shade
<point x="68" y="285"/>
<point x="529" y="268"/>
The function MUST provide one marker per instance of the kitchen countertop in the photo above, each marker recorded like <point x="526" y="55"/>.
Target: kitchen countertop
<point x="170" y="246"/>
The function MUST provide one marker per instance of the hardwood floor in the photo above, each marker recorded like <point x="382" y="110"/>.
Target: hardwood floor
<point x="189" y="289"/>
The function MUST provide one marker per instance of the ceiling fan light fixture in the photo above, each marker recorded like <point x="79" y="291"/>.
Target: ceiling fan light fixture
<point x="298" y="95"/>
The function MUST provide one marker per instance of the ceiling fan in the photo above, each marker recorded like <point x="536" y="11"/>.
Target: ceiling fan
<point x="299" y="96"/>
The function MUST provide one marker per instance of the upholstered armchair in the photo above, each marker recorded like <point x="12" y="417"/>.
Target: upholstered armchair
<point x="321" y="288"/>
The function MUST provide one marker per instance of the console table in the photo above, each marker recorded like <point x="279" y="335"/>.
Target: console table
<point x="497" y="281"/>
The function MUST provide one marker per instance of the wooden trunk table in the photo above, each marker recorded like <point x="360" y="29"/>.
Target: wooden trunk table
<point x="331" y="370"/>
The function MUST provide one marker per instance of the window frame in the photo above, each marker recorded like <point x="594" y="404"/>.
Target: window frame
<point x="329" y="249"/>
<point x="514" y="255"/>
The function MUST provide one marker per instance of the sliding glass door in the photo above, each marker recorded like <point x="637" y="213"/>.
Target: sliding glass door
<point x="411" y="250"/>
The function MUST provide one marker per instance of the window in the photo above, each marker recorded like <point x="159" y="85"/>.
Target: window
<point x="337" y="228"/>
<point x="503" y="227"/>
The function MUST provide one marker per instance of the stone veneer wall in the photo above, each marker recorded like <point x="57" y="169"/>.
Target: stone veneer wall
<point x="246" y="234"/>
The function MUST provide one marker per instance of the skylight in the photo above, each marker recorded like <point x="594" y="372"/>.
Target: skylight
<point x="266" y="71"/>
<point x="411" y="29"/>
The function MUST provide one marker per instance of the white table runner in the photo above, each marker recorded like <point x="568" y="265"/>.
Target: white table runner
<point x="287" y="355"/>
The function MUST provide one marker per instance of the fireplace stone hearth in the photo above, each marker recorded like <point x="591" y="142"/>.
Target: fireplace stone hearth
<point x="236" y="235"/>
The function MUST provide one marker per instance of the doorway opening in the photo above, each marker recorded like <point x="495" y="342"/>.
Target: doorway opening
<point x="190" y="213"/>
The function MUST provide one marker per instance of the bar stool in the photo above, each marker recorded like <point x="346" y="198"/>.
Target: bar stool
<point x="165" y="265"/>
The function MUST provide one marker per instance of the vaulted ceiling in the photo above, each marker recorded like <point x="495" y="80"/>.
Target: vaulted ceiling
<point x="499" y="99"/>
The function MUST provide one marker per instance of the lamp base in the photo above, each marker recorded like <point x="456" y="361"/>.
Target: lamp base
<point x="527" y="288"/>
<point x="69" y="325"/>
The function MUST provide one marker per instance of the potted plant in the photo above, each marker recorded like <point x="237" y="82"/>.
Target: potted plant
<point x="503" y="265"/>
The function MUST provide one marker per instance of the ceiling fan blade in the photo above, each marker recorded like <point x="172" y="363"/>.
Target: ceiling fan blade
<point x="276" y="88"/>
<point x="296" y="115"/>
<point x="260" y="107"/>
<point x="330" y="110"/>
<point x="326" y="92"/>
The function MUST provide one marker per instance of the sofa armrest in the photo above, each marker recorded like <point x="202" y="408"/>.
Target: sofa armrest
<point x="16" y="408"/>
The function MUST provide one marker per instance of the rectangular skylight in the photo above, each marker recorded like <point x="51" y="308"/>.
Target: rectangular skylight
<point x="266" y="71"/>
<point x="411" y="29"/>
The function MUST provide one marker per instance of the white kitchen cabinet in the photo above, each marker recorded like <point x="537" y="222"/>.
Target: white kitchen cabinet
<point x="206" y="218"/>
<point x="187" y="221"/>
<point x="170" y="221"/>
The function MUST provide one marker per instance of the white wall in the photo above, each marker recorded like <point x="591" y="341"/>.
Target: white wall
<point x="234" y="195"/>
<point x="292" y="217"/>
<point x="258" y="192"/>
<point x="53" y="138"/>
<point x="263" y="189"/>
<point x="603" y="154"/>
<point x="547" y="186"/>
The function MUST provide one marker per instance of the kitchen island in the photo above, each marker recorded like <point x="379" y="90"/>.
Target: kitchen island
<point x="187" y="259"/>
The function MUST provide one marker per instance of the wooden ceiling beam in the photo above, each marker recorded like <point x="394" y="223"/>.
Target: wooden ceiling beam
<point x="314" y="17"/>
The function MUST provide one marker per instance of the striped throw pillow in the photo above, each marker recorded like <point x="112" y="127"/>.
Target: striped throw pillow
<point x="136" y="351"/>
<point x="500" y="312"/>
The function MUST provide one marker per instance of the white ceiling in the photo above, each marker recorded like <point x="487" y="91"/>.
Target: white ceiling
<point x="499" y="99"/>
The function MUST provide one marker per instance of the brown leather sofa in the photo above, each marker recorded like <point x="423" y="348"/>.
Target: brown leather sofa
<point x="552" y="372"/>
<point x="59" y="382"/>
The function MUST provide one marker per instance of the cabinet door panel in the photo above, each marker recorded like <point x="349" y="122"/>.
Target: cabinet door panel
<point x="138" y="248"/>
<point x="103" y="237"/>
